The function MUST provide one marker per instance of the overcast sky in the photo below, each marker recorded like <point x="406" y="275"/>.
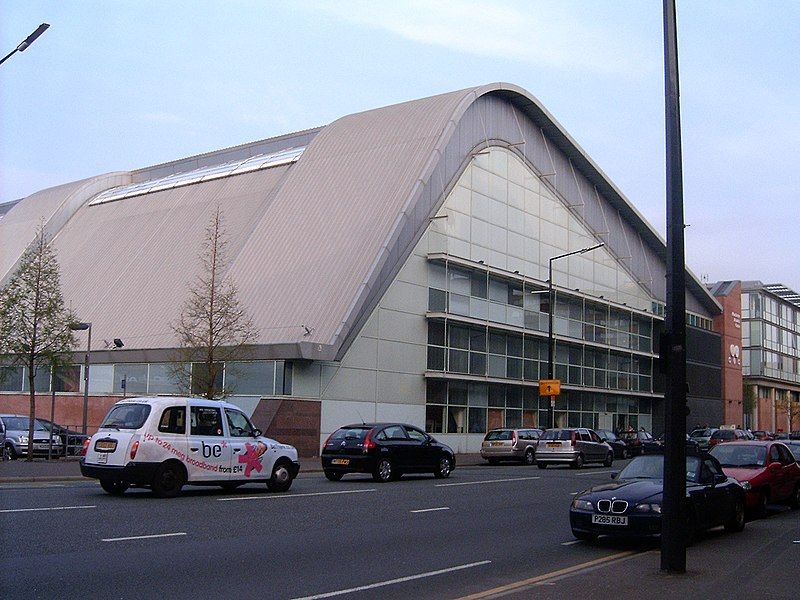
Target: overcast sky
<point x="123" y="85"/>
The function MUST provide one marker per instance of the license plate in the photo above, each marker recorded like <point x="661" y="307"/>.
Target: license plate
<point x="609" y="520"/>
<point x="340" y="461"/>
<point x="554" y="444"/>
<point x="105" y="445"/>
<point x="497" y="443"/>
<point x="102" y="458"/>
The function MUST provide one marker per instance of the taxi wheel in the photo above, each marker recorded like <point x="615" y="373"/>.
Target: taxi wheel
<point x="168" y="480"/>
<point x="281" y="479"/>
<point x="114" y="487"/>
<point x="445" y="466"/>
<point x="530" y="458"/>
<point x="383" y="471"/>
<point x="333" y="475"/>
<point x="609" y="459"/>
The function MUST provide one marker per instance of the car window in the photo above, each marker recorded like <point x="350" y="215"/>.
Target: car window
<point x="21" y="424"/>
<point x="595" y="437"/>
<point x="173" y="420"/>
<point x="504" y="434"/>
<point x="238" y="424"/>
<point x="126" y="416"/>
<point x="740" y="455"/>
<point x="557" y="434"/>
<point x="351" y="433"/>
<point x="206" y="420"/>
<point x="395" y="432"/>
<point x="416" y="435"/>
<point x="774" y="455"/>
<point x="584" y="434"/>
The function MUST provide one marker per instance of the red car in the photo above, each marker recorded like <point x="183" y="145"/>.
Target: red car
<point x="767" y="471"/>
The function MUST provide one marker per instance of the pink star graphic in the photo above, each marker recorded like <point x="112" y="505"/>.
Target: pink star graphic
<point x="251" y="458"/>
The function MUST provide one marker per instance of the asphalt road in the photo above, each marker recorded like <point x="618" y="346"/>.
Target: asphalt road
<point x="483" y="528"/>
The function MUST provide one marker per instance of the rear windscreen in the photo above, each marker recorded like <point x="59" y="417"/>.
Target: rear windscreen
<point x="557" y="434"/>
<point x="352" y="433"/>
<point x="126" y="416"/>
<point x="498" y="435"/>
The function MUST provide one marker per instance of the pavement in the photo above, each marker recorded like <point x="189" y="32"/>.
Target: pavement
<point x="762" y="561"/>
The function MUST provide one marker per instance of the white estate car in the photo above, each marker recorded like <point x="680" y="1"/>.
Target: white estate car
<point x="166" y="442"/>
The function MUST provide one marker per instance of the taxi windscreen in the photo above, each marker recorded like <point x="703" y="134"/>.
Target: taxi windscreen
<point x="126" y="416"/>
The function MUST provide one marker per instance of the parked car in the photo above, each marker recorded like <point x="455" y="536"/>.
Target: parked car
<point x="702" y="435"/>
<point x="572" y="446"/>
<point x="631" y="504"/>
<point x="386" y="451"/>
<point x="167" y="442"/>
<point x="794" y="448"/>
<point x="639" y="442"/>
<point x="72" y="441"/>
<point x="692" y="447"/>
<point x="14" y="429"/>
<point x="763" y="435"/>
<point x="768" y="471"/>
<point x="721" y="436"/>
<point x="510" y="444"/>
<point x="620" y="448"/>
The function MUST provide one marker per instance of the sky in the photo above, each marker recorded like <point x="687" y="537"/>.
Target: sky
<point x="128" y="84"/>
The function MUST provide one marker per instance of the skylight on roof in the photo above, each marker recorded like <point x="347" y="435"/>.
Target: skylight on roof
<point x="237" y="167"/>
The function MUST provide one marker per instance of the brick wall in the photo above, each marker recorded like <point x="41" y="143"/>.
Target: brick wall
<point x="68" y="408"/>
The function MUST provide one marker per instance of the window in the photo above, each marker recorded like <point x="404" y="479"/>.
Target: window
<point x="416" y="435"/>
<point x="395" y="432"/>
<point x="126" y="416"/>
<point x="206" y="420"/>
<point x="173" y="420"/>
<point x="238" y="424"/>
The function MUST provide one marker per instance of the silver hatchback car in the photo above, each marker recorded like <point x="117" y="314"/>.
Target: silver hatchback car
<point x="510" y="444"/>
<point x="574" y="446"/>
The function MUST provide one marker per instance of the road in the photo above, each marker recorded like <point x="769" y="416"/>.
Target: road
<point x="482" y="528"/>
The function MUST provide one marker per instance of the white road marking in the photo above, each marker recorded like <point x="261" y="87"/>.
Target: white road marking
<point x="485" y="481"/>
<point x="593" y="473"/>
<point x="142" y="537"/>
<point x="424" y="510"/>
<point x="393" y="581"/>
<point x="13" y="510"/>
<point x="570" y="543"/>
<point x="276" y="496"/>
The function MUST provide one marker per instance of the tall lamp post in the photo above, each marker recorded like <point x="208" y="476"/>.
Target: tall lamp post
<point x="85" y="327"/>
<point x="551" y="341"/>
<point x="26" y="42"/>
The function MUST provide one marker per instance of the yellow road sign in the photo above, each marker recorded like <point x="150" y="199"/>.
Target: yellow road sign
<point x="549" y="387"/>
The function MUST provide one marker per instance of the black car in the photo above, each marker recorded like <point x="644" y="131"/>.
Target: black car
<point x="639" y="442"/>
<point x="631" y="505"/>
<point x="386" y="451"/>
<point x="72" y="441"/>
<point x="620" y="448"/>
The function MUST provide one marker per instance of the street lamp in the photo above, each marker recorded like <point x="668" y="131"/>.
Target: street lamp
<point x="85" y="327"/>
<point x="27" y="42"/>
<point x="551" y="341"/>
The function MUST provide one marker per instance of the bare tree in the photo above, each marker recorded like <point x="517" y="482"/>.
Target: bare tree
<point x="785" y="404"/>
<point x="213" y="326"/>
<point x="34" y="323"/>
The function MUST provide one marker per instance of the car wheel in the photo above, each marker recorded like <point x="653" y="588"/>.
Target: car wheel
<point x="689" y="527"/>
<point x="578" y="462"/>
<point x="281" y="479"/>
<point x="609" y="459"/>
<point x="530" y="458"/>
<point x="9" y="453"/>
<point x="760" y="511"/>
<point x="736" y="522"/>
<point x="383" y="471"/>
<point x="229" y="486"/>
<point x="541" y="465"/>
<point x="794" y="499"/>
<point x="445" y="466"/>
<point x="625" y="454"/>
<point x="168" y="480"/>
<point x="114" y="487"/>
<point x="334" y="475"/>
<point x="584" y="536"/>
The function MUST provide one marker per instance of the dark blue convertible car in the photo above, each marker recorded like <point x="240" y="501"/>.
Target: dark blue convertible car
<point x="631" y="504"/>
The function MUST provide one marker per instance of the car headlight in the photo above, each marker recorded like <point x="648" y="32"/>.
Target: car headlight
<point x="23" y="439"/>
<point x="746" y="485"/>
<point x="648" y="508"/>
<point x="579" y="504"/>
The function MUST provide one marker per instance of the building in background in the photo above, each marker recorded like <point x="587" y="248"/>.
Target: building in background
<point x="729" y="325"/>
<point x="394" y="263"/>
<point x="771" y="354"/>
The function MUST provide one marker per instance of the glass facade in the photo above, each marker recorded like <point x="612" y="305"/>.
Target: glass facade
<point x="482" y="325"/>
<point x="770" y="337"/>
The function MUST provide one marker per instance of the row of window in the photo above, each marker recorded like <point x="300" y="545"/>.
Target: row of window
<point x="258" y="378"/>
<point x="692" y="319"/>
<point x="757" y="305"/>
<point x="467" y="407"/>
<point x="479" y="350"/>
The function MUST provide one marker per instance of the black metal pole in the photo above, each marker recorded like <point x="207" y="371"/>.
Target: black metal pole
<point x="674" y="518"/>
<point x="86" y="379"/>
<point x="551" y="341"/>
